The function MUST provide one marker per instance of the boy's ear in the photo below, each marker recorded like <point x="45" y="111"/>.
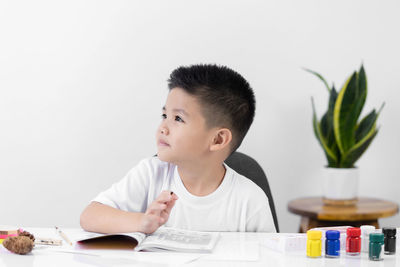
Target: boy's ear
<point x="222" y="139"/>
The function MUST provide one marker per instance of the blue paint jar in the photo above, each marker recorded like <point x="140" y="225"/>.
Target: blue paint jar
<point x="332" y="244"/>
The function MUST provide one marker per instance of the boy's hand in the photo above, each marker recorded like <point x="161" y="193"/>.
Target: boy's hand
<point x="158" y="212"/>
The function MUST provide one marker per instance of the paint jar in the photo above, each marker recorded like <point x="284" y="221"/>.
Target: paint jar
<point x="332" y="244"/>
<point x="376" y="241"/>
<point x="7" y="231"/>
<point x="353" y="241"/>
<point x="366" y="230"/>
<point x="3" y="237"/>
<point x="314" y="244"/>
<point x="390" y="240"/>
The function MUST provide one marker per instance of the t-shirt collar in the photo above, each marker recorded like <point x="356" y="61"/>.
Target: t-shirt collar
<point x="182" y="192"/>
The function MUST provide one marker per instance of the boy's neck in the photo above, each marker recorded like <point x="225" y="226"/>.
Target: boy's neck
<point x="201" y="179"/>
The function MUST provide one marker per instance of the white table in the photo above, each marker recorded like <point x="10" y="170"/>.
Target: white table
<point x="248" y="248"/>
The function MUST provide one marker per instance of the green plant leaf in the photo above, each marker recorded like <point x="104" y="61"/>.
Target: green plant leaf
<point x="330" y="137"/>
<point x="362" y="90"/>
<point x="319" y="76"/>
<point x="355" y="152"/>
<point x="344" y="115"/>
<point x="330" y="155"/>
<point x="327" y="129"/>
<point x="366" y="125"/>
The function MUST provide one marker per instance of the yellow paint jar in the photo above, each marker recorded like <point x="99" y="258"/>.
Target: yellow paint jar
<point x="314" y="244"/>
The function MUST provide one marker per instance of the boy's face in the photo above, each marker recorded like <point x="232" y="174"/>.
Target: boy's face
<point x="182" y="135"/>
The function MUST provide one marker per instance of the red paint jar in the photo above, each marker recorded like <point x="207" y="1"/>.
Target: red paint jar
<point x="353" y="241"/>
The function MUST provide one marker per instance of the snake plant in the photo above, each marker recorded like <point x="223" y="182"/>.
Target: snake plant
<point x="343" y="137"/>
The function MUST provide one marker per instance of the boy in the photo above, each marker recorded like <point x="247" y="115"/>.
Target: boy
<point x="208" y="111"/>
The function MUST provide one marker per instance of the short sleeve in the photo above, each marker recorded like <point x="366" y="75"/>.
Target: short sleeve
<point x="261" y="221"/>
<point x="259" y="212"/>
<point x="131" y="192"/>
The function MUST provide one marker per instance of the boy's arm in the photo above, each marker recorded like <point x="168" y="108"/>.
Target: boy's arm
<point x="101" y="218"/>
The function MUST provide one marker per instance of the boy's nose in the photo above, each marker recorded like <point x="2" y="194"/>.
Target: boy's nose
<point x="164" y="130"/>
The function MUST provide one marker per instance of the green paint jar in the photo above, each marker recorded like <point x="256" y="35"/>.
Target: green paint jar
<point x="376" y="241"/>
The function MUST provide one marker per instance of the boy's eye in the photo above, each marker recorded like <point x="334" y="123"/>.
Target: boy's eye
<point x="177" y="118"/>
<point x="164" y="116"/>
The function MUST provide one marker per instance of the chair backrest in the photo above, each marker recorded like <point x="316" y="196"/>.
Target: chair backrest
<point x="248" y="167"/>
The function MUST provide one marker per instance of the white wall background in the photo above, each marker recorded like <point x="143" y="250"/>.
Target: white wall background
<point x="83" y="82"/>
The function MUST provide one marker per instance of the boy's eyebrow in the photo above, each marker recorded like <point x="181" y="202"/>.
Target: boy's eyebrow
<point x="178" y="110"/>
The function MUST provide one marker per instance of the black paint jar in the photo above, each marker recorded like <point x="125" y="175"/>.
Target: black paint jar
<point x="390" y="240"/>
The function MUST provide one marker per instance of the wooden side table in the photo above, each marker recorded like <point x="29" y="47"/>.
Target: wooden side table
<point x="366" y="211"/>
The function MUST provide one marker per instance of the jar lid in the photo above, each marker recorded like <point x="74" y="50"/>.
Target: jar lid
<point x="354" y="232"/>
<point x="332" y="234"/>
<point x="314" y="234"/>
<point x="389" y="231"/>
<point x="367" y="229"/>
<point x="376" y="237"/>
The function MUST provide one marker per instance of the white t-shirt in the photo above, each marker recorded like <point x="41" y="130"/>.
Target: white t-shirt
<point x="237" y="205"/>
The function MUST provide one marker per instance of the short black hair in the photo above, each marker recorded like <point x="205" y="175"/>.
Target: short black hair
<point x="226" y="97"/>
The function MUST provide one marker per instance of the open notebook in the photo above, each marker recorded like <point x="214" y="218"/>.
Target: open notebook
<point x="164" y="239"/>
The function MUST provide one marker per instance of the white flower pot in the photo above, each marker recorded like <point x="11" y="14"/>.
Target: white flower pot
<point x="340" y="185"/>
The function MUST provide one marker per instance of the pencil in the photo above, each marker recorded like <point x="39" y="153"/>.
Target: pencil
<point x="48" y="241"/>
<point x="61" y="233"/>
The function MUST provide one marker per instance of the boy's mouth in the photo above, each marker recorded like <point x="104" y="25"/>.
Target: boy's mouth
<point x="162" y="143"/>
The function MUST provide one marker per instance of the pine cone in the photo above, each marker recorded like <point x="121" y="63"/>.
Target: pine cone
<point x="27" y="234"/>
<point x="18" y="244"/>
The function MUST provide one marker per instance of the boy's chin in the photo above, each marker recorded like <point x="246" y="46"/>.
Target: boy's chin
<point x="164" y="157"/>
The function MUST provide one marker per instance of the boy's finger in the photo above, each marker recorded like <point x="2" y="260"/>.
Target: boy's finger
<point x="165" y="216"/>
<point x="170" y="205"/>
<point x="174" y="196"/>
<point x="156" y="207"/>
<point x="165" y="196"/>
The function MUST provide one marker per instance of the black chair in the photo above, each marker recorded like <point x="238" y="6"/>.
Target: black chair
<point x="248" y="167"/>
